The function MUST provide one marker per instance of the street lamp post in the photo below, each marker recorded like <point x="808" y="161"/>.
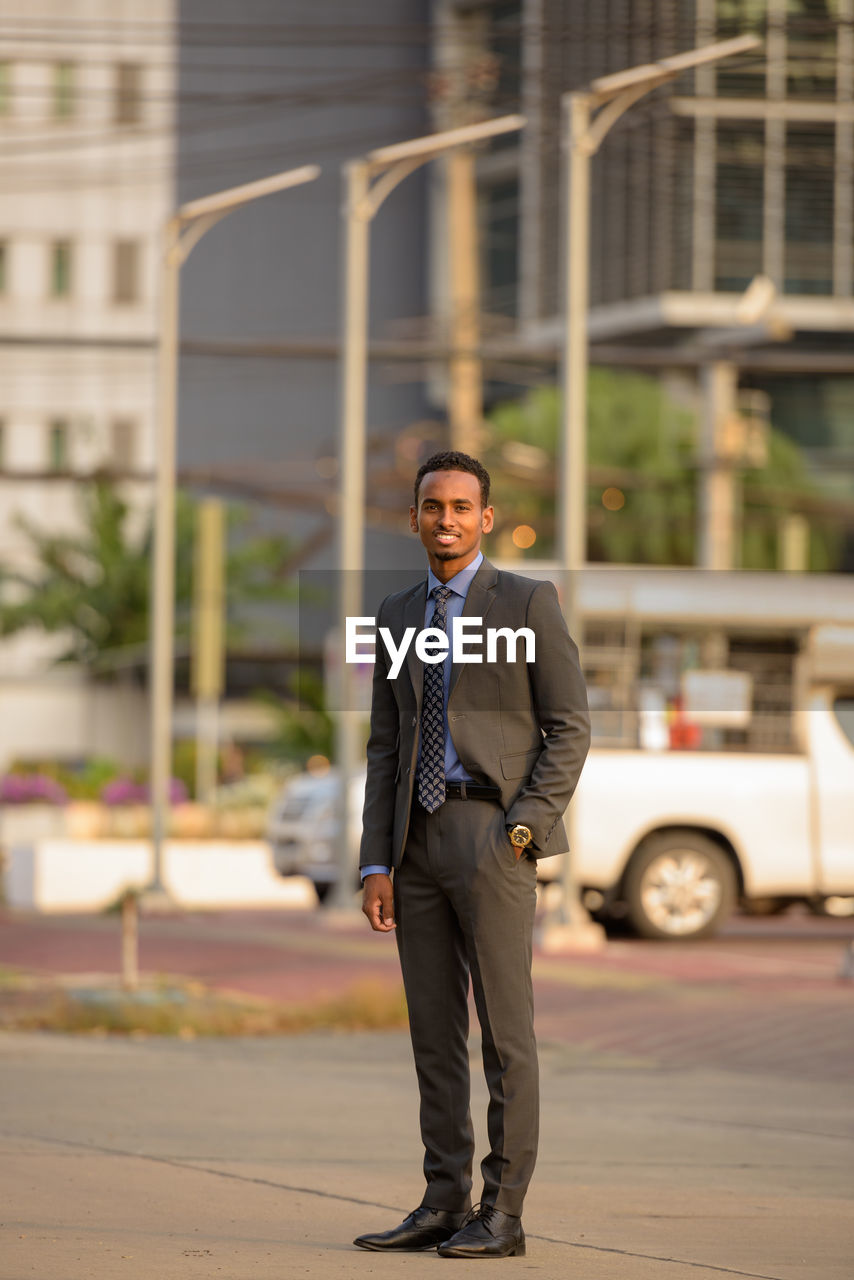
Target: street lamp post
<point x="609" y="98"/>
<point x="588" y="116"/>
<point x="181" y="233"/>
<point x="367" y="183"/>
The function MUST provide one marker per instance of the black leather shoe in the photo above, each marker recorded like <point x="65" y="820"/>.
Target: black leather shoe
<point x="486" y="1233"/>
<point x="424" y="1228"/>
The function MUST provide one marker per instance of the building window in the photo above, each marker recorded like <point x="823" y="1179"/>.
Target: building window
<point x="809" y="208"/>
<point x="811" y="48"/>
<point x="63" y="90"/>
<point x="738" y="204"/>
<point x="123" y="444"/>
<point x="57" y="444"/>
<point x="128" y="95"/>
<point x="60" y="269"/>
<point x="125" y="271"/>
<point x="5" y="89"/>
<point x="499" y="232"/>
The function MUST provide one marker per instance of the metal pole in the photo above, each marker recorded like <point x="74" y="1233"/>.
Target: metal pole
<point x="573" y="926"/>
<point x="163" y="587"/>
<point x="717" y="516"/>
<point x="208" y="665"/>
<point x="572" y="515"/>
<point x="465" y="390"/>
<point x="130" y="941"/>
<point x="351" y="490"/>
<point x="180" y="234"/>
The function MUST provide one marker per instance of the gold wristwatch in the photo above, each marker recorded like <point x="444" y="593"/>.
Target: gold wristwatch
<point x="520" y="836"/>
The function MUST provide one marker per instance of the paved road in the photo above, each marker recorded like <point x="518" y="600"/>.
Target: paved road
<point x="764" y="996"/>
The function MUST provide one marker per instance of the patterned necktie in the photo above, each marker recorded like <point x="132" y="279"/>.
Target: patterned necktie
<point x="431" y="773"/>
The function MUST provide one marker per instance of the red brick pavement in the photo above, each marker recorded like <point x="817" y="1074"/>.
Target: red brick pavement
<point x="766" y="996"/>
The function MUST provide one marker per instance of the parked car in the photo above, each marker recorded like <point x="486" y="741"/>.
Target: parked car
<point x="303" y="824"/>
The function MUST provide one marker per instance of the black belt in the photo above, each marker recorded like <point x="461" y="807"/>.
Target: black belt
<point x="471" y="791"/>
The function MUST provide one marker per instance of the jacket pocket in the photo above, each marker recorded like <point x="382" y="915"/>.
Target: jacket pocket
<point x="520" y="763"/>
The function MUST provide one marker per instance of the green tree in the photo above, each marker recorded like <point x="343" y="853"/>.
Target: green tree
<point x="92" y="586"/>
<point x="642" y="444"/>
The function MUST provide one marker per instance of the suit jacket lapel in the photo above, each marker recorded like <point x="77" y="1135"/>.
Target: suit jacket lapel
<point x="478" y="602"/>
<point x="413" y="616"/>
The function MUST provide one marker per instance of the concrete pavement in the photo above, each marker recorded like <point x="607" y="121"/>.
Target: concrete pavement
<point x="697" y="1113"/>
<point x="248" y="1160"/>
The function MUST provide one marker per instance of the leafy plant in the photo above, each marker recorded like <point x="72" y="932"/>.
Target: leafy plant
<point x="92" y="587"/>
<point x="639" y="434"/>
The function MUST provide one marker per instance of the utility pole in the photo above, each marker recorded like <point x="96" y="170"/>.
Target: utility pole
<point x="719" y="511"/>
<point x="465" y="388"/>
<point x="733" y="437"/>
<point x="208" y="641"/>
<point x="463" y="89"/>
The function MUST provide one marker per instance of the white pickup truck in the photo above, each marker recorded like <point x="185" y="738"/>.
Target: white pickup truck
<point x="673" y="840"/>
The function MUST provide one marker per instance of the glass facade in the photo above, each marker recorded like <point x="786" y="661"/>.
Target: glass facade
<point x="499" y="238"/>
<point x="808" y="231"/>
<point x="739" y="183"/>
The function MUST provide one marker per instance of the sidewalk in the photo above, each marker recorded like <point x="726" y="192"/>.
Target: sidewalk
<point x="697" y="1113"/>
<point x="254" y="1160"/>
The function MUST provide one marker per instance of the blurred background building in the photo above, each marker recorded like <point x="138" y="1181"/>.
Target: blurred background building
<point x="87" y="154"/>
<point x="737" y="178"/>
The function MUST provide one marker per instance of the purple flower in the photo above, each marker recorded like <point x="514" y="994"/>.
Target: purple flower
<point x="121" y="791"/>
<point x="177" y="792"/>
<point x="31" y="788"/>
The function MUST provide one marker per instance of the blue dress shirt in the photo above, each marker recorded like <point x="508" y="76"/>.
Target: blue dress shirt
<point x="459" y="586"/>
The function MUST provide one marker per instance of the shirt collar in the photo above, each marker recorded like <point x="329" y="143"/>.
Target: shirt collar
<point x="460" y="582"/>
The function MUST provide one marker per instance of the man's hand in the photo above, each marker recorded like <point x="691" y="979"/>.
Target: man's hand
<point x="378" y="902"/>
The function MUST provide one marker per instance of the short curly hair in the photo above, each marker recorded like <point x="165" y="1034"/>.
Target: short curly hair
<point x="454" y="460"/>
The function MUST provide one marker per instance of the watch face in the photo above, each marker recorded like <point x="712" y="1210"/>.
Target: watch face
<point x="520" y="836"/>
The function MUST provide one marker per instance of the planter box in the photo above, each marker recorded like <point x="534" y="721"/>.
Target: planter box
<point x="89" y="875"/>
<point x="21" y="824"/>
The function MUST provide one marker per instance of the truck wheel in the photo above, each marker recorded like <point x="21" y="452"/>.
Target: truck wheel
<point x="679" y="885"/>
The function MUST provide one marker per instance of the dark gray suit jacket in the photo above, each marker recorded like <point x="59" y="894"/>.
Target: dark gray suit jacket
<point x="522" y="727"/>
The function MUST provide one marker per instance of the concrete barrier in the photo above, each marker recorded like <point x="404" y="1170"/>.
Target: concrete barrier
<point x="87" y="875"/>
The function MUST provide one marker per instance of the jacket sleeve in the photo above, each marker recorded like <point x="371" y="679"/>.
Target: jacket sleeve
<point x="378" y="812"/>
<point x="560" y="706"/>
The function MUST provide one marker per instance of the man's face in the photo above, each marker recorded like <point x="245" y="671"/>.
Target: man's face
<point x="450" y="520"/>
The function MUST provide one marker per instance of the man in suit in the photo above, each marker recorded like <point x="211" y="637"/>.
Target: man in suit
<point x="470" y="768"/>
